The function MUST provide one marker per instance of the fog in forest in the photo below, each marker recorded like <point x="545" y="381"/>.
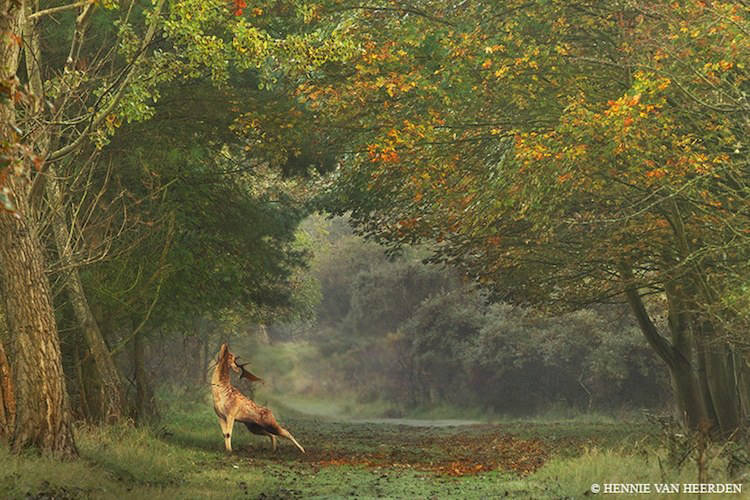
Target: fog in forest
<point x="391" y="336"/>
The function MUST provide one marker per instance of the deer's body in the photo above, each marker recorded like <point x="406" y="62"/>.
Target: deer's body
<point x="232" y="406"/>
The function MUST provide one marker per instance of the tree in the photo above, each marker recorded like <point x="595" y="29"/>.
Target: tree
<point x="564" y="153"/>
<point x="42" y="417"/>
<point x="412" y="335"/>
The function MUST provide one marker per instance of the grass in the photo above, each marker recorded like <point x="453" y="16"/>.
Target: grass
<point x="184" y="458"/>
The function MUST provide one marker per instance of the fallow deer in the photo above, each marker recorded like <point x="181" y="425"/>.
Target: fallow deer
<point x="231" y="405"/>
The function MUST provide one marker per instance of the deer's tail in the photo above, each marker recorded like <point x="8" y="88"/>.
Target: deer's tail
<point x="285" y="433"/>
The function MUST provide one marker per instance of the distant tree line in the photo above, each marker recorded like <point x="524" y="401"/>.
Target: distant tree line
<point x="416" y="336"/>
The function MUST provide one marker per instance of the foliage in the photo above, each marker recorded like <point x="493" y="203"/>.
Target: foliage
<point x="105" y="89"/>
<point x="560" y="154"/>
<point x="413" y="336"/>
<point x="92" y="70"/>
<point x="563" y="154"/>
<point x="567" y="170"/>
<point x="578" y="359"/>
<point x="208" y="231"/>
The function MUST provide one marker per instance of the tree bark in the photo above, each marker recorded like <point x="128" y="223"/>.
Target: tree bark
<point x="743" y="385"/>
<point x="83" y="401"/>
<point x="687" y="344"/>
<point x="42" y="412"/>
<point x="110" y="401"/>
<point x="719" y="377"/>
<point x="7" y="398"/>
<point x="721" y="380"/>
<point x="703" y="381"/>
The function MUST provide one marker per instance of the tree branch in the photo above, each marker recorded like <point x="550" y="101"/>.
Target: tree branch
<point x="60" y="8"/>
<point x="98" y="118"/>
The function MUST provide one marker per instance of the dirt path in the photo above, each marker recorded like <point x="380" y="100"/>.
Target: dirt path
<point x="415" y="422"/>
<point x="336" y="413"/>
<point x="452" y="447"/>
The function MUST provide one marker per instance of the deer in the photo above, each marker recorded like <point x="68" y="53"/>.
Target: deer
<point x="232" y="406"/>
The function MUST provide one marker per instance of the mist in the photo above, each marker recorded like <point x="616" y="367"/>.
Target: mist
<point x="393" y="337"/>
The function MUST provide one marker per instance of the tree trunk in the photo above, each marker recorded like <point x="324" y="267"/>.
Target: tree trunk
<point x="205" y="358"/>
<point x="691" y="406"/>
<point x="688" y="396"/>
<point x="743" y="384"/>
<point x="720" y="378"/>
<point x="720" y="375"/>
<point x="703" y="381"/>
<point x="42" y="411"/>
<point x="84" y="412"/>
<point x="145" y="404"/>
<point x="263" y="337"/>
<point x="110" y="406"/>
<point x="7" y="398"/>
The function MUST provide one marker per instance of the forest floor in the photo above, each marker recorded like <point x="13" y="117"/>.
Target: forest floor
<point x="183" y="457"/>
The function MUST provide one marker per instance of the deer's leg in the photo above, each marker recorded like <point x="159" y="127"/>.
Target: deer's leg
<point x="223" y="425"/>
<point x="285" y="433"/>
<point x="273" y="441"/>
<point x="228" y="433"/>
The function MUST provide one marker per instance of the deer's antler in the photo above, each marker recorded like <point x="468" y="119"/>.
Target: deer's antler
<point x="245" y="373"/>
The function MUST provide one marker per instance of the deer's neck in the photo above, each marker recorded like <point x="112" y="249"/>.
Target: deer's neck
<point x="221" y="373"/>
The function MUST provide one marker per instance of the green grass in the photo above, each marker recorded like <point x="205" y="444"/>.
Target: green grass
<point x="183" y="457"/>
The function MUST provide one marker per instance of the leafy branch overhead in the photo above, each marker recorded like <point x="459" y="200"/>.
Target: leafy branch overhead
<point x="561" y="153"/>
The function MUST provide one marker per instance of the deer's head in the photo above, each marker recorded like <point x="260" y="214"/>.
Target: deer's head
<point x="226" y="356"/>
